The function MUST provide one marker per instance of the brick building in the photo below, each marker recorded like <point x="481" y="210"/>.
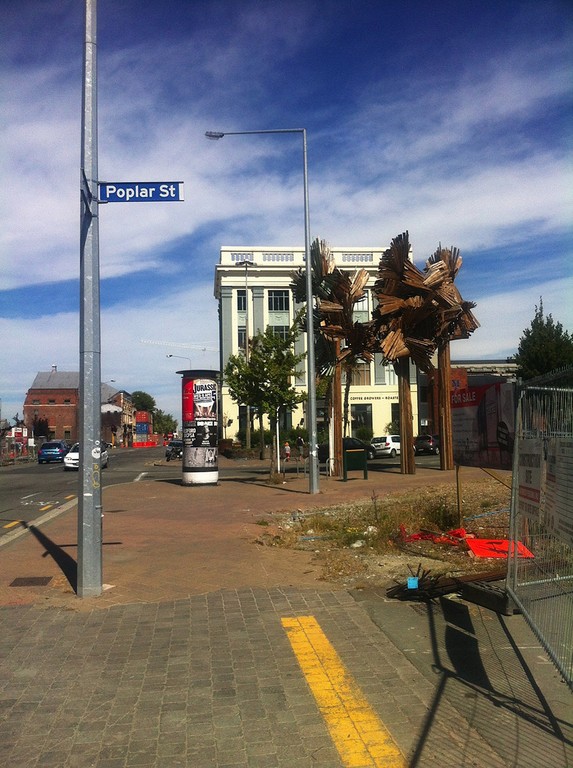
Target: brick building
<point x="54" y="396"/>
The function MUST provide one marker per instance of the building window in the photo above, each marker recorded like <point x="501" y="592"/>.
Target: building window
<point x="67" y="434"/>
<point x="67" y="401"/>
<point x="279" y="301"/>
<point x="385" y="374"/>
<point x="242" y="337"/>
<point x="361" y="375"/>
<point x="278" y="256"/>
<point x="395" y="411"/>
<point x="360" y="310"/>
<point x="357" y="258"/>
<point x="361" y="417"/>
<point x="280" y="330"/>
<point x="51" y="402"/>
<point x="242" y="300"/>
<point x="35" y="402"/>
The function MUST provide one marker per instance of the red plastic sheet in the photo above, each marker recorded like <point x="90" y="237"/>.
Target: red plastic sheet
<point x="495" y="548"/>
<point x="455" y="536"/>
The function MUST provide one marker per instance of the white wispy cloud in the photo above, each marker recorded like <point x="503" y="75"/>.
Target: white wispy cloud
<point x="474" y="156"/>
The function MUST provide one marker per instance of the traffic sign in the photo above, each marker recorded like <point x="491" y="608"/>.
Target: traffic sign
<point x="140" y="191"/>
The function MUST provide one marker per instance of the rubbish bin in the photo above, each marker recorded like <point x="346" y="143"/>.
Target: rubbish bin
<point x="354" y="458"/>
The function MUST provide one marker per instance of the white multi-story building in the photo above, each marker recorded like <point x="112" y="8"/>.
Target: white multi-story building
<point x="253" y="288"/>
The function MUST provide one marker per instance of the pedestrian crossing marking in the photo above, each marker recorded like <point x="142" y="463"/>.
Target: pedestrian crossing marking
<point x="358" y="734"/>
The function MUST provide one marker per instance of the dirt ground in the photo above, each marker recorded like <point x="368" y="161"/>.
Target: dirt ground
<point x="360" y="565"/>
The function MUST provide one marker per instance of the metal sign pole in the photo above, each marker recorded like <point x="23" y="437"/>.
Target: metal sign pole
<point x="89" y="493"/>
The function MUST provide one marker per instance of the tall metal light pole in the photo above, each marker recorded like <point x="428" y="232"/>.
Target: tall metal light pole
<point x="246" y="264"/>
<point x="311" y="372"/>
<point x="89" y="497"/>
<point x="181" y="358"/>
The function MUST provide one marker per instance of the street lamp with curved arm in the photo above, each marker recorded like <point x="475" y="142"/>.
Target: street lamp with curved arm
<point x="181" y="358"/>
<point x="311" y="374"/>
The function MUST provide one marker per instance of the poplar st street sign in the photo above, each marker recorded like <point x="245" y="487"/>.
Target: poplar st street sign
<point x="140" y="191"/>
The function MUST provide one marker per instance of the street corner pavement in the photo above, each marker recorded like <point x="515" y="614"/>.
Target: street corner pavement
<point x="161" y="541"/>
<point x="164" y="541"/>
<point x="208" y="650"/>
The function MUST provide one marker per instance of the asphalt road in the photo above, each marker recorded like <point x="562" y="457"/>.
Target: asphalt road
<point x="30" y="490"/>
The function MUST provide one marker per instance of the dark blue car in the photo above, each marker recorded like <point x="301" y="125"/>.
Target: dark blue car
<point x="54" y="450"/>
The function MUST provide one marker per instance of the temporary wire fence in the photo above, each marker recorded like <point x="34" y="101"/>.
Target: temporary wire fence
<point x="540" y="579"/>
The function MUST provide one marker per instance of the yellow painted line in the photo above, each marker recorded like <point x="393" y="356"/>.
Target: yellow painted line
<point x="47" y="506"/>
<point x="358" y="734"/>
<point x="70" y="496"/>
<point x="12" y="524"/>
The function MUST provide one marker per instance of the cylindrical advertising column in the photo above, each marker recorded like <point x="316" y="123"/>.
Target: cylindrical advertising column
<point x="200" y="403"/>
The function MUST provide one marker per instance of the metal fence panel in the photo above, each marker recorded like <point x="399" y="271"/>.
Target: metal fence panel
<point x="542" y="519"/>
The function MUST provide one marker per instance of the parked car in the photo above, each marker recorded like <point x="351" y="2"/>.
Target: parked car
<point x="427" y="444"/>
<point x="53" y="450"/>
<point x="388" y="445"/>
<point x="174" y="450"/>
<point x="72" y="458"/>
<point x="348" y="443"/>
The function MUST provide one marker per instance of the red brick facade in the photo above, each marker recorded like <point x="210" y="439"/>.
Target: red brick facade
<point x="54" y="396"/>
<point x="59" y="406"/>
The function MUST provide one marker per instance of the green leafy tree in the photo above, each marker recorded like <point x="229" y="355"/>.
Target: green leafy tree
<point x="40" y="426"/>
<point x="164" y="423"/>
<point x="143" y="402"/>
<point x="543" y="347"/>
<point x="264" y="382"/>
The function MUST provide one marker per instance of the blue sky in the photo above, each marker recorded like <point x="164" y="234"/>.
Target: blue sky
<point x="449" y="119"/>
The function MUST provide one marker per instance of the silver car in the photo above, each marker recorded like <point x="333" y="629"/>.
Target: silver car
<point x="387" y="445"/>
<point x="72" y="457"/>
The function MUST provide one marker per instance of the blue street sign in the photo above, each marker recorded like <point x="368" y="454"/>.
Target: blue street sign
<point x="140" y="191"/>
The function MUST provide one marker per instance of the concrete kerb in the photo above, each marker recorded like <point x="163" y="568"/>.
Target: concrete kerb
<point x="8" y="538"/>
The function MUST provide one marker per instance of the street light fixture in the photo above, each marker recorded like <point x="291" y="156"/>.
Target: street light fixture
<point x="311" y="375"/>
<point x="181" y="358"/>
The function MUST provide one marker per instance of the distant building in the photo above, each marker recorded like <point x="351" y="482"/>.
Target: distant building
<point x="54" y="397"/>
<point x="253" y="288"/>
<point x="506" y="369"/>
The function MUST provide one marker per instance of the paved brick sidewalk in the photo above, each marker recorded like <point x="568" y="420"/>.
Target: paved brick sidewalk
<point x="185" y="662"/>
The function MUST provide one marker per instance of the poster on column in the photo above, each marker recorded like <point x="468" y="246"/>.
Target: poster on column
<point x="200" y="427"/>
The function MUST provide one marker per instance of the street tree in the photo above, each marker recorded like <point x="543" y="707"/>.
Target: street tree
<point x="164" y="423"/>
<point x="143" y="401"/>
<point x="543" y="347"/>
<point x="40" y="426"/>
<point x="265" y="380"/>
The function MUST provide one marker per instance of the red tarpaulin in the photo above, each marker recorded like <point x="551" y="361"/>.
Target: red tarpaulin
<point x="495" y="548"/>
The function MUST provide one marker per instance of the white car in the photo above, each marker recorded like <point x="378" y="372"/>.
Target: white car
<point x="387" y="445"/>
<point x="72" y="457"/>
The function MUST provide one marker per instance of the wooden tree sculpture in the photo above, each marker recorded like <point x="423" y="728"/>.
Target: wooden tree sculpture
<point x="455" y="321"/>
<point x="417" y="313"/>
<point x="348" y="343"/>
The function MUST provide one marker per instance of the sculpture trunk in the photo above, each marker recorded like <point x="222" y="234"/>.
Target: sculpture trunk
<point x="407" y="463"/>
<point x="444" y="406"/>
